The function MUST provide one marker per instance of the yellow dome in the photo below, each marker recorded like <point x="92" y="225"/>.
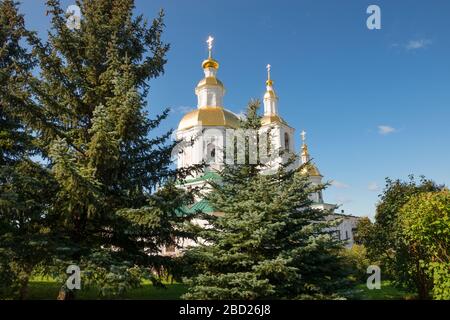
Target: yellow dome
<point x="210" y="63"/>
<point x="209" y="116"/>
<point x="265" y="120"/>
<point x="310" y="169"/>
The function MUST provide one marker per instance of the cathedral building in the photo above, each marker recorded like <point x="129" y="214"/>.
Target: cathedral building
<point x="206" y="131"/>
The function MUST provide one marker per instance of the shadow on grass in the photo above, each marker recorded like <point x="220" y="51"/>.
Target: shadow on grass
<point x="48" y="290"/>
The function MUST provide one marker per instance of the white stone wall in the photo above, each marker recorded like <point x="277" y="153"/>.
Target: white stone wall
<point x="345" y="229"/>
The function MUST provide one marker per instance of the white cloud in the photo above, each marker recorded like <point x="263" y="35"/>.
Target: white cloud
<point x="339" y="185"/>
<point x="373" y="186"/>
<point x="385" y="130"/>
<point x="181" y="109"/>
<point x="418" y="44"/>
<point x="340" y="200"/>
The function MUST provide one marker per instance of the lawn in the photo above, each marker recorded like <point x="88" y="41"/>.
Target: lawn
<point x="47" y="289"/>
<point x="42" y="289"/>
<point x="387" y="292"/>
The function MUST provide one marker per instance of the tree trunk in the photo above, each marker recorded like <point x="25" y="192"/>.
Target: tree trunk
<point x="423" y="291"/>
<point x="423" y="286"/>
<point x="23" y="291"/>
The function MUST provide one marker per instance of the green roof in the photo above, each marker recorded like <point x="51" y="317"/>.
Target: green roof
<point x="202" y="206"/>
<point x="210" y="175"/>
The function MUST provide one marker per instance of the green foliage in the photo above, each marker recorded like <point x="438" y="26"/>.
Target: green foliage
<point x="385" y="240"/>
<point x="266" y="241"/>
<point x="425" y="220"/>
<point x="25" y="186"/>
<point x="357" y="259"/>
<point x="440" y="272"/>
<point x="105" y="199"/>
<point x="92" y="88"/>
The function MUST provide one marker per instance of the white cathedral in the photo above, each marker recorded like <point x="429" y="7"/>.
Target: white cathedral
<point x="211" y="116"/>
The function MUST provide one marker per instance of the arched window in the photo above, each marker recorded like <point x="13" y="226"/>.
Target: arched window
<point x="211" y="153"/>
<point x="286" y="141"/>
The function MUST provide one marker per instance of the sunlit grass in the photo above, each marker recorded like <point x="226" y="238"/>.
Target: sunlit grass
<point x="387" y="292"/>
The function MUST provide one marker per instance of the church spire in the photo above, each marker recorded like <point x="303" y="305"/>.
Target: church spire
<point x="305" y="153"/>
<point x="210" y="90"/>
<point x="309" y="168"/>
<point x="270" y="97"/>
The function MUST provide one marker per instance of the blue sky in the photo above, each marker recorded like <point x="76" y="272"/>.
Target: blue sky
<point x="375" y="103"/>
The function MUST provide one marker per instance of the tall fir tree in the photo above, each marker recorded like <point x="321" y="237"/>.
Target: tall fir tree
<point x="116" y="204"/>
<point x="25" y="186"/>
<point x="267" y="241"/>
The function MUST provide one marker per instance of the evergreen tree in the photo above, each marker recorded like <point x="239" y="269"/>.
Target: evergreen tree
<point x="109" y="216"/>
<point x="15" y="62"/>
<point x="25" y="186"/>
<point x="267" y="242"/>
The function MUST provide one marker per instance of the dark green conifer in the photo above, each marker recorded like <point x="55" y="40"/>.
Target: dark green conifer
<point x="267" y="241"/>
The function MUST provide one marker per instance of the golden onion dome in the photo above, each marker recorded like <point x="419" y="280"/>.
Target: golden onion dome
<point x="210" y="63"/>
<point x="209" y="116"/>
<point x="310" y="169"/>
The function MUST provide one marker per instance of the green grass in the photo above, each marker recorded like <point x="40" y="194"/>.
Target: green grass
<point x="47" y="289"/>
<point x="387" y="292"/>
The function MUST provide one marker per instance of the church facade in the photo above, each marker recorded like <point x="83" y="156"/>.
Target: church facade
<point x="208" y="133"/>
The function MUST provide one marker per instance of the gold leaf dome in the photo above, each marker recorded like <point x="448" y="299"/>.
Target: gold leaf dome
<point x="209" y="116"/>
<point x="310" y="169"/>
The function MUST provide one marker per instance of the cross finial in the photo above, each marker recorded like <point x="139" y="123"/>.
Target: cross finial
<point x="210" y="44"/>
<point x="303" y="134"/>
<point x="268" y="71"/>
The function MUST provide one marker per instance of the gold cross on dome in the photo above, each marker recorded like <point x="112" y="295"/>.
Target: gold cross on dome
<point x="303" y="134"/>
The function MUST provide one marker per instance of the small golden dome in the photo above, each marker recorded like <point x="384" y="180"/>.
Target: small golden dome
<point x="209" y="116"/>
<point x="310" y="169"/>
<point x="265" y="120"/>
<point x="269" y="83"/>
<point x="210" y="63"/>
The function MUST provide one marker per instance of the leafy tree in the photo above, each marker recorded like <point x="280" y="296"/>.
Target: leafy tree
<point x="425" y="221"/>
<point x="384" y="239"/>
<point x="25" y="186"/>
<point x="116" y="202"/>
<point x="356" y="258"/>
<point x="267" y="241"/>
